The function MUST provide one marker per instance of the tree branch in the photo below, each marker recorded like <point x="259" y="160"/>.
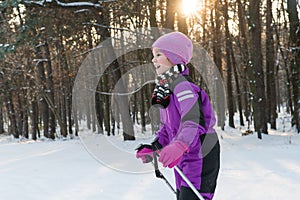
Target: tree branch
<point x="69" y="4"/>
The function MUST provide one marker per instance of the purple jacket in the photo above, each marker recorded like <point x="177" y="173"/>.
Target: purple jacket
<point x="183" y="101"/>
<point x="185" y="120"/>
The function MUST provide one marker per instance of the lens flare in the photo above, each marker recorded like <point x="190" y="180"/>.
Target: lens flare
<point x="190" y="7"/>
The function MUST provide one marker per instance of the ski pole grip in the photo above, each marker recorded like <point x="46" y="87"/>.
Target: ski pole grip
<point x="158" y="174"/>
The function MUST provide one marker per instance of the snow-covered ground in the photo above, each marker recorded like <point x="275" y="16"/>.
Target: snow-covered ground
<point x="65" y="169"/>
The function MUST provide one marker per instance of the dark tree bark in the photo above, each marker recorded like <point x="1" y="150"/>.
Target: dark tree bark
<point x="1" y="120"/>
<point x="10" y="107"/>
<point x="258" y="85"/>
<point x="142" y="99"/>
<point x="270" y="69"/>
<point x="24" y="116"/>
<point x="99" y="109"/>
<point x="153" y="21"/>
<point x="245" y="59"/>
<point x="238" y="90"/>
<point x="34" y="118"/>
<point x="217" y="57"/>
<point x="122" y="101"/>
<point x="289" y="101"/>
<point x="64" y="98"/>
<point x="170" y="14"/>
<point x="295" y="61"/>
<point x="230" y="100"/>
<point x="44" y="110"/>
<point x="50" y="91"/>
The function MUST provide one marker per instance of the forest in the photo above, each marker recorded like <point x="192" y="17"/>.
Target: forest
<point x="46" y="44"/>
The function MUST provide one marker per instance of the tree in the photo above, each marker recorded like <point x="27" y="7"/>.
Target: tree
<point x="270" y="68"/>
<point x="294" y="46"/>
<point x="42" y="48"/>
<point x="257" y="72"/>
<point x="244" y="49"/>
<point x="229" y="62"/>
<point x="217" y="55"/>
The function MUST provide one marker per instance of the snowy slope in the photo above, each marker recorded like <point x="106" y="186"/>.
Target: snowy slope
<point x="250" y="169"/>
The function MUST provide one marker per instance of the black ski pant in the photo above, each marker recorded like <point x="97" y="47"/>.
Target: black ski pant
<point x="208" y="179"/>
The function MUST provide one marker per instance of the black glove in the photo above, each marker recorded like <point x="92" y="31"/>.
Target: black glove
<point x="161" y="95"/>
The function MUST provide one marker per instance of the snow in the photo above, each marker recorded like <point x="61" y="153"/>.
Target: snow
<point x="70" y="169"/>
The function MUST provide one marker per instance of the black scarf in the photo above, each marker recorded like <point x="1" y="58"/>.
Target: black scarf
<point x="161" y="93"/>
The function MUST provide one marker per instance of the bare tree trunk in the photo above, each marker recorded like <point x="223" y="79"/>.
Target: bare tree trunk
<point x="75" y="115"/>
<point x="289" y="103"/>
<point x="25" y="126"/>
<point x="111" y="104"/>
<point x="69" y="112"/>
<point x="295" y="61"/>
<point x="99" y="111"/>
<point x="44" y="110"/>
<point x="258" y="86"/>
<point x="142" y="99"/>
<point x="162" y="12"/>
<point x="13" y="129"/>
<point x="238" y="90"/>
<point x="153" y="21"/>
<point x="134" y="109"/>
<point x="1" y="119"/>
<point x="270" y="68"/>
<point x="217" y="57"/>
<point x="142" y="111"/>
<point x="65" y="92"/>
<point x="204" y="26"/>
<point x="19" y="110"/>
<point x="230" y="99"/>
<point x="245" y="58"/>
<point x="122" y="101"/>
<point x="106" y="105"/>
<point x="88" y="115"/>
<point x="170" y="14"/>
<point x="12" y="126"/>
<point x="23" y="110"/>
<point x="34" y="118"/>
<point x="288" y="85"/>
<point x="94" y="118"/>
<point x="68" y="100"/>
<point x="50" y="90"/>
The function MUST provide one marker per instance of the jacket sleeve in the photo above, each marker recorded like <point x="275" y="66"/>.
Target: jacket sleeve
<point x="162" y="137"/>
<point x="192" y="123"/>
<point x="162" y="133"/>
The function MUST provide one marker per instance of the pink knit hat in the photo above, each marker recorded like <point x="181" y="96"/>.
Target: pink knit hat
<point x="176" y="46"/>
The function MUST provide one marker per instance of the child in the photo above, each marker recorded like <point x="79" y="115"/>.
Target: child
<point x="186" y="137"/>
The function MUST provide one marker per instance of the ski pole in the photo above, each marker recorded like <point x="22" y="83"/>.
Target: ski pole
<point x="158" y="174"/>
<point x="189" y="183"/>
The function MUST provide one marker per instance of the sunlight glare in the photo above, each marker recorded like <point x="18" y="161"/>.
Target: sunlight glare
<point x="190" y="6"/>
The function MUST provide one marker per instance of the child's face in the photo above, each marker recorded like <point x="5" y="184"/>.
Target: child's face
<point x="160" y="61"/>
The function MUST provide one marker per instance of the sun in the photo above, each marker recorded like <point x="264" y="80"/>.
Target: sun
<point x="190" y="7"/>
